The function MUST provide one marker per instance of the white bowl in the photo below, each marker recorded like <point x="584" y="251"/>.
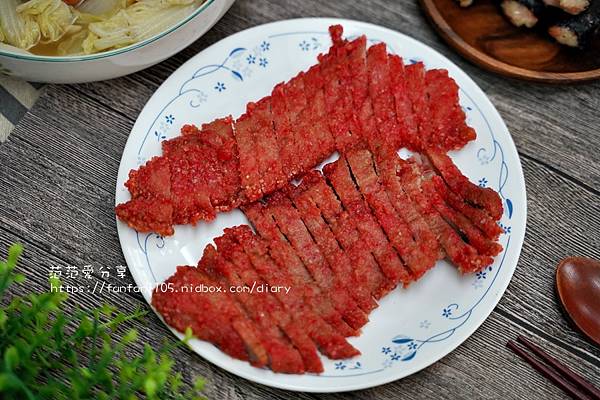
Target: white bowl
<point x="115" y="63"/>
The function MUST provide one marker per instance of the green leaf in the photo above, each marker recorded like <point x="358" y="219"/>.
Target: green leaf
<point x="42" y="347"/>
<point x="9" y="382"/>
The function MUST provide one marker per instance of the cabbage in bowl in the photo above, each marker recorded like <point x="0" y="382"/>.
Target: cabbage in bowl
<point x="56" y="28"/>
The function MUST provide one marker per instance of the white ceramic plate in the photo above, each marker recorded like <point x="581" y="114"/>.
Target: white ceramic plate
<point x="412" y="328"/>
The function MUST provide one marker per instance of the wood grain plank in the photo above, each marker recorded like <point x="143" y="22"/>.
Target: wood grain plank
<point x="58" y="175"/>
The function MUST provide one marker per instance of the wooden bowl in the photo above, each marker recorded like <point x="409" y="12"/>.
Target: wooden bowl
<point x="483" y="35"/>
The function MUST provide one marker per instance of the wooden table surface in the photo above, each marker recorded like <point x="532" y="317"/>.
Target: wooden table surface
<point x="57" y="184"/>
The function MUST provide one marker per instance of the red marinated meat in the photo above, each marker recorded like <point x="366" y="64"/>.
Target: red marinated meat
<point x="213" y="154"/>
<point x="150" y="207"/>
<point x="283" y="357"/>
<point x="319" y="142"/>
<point x="212" y="316"/>
<point x="295" y="103"/>
<point x="389" y="134"/>
<point x="267" y="305"/>
<point x="288" y="260"/>
<point x="461" y="223"/>
<point x="339" y="261"/>
<point x="269" y="163"/>
<point x="189" y="188"/>
<point x="284" y="133"/>
<point x="479" y="217"/>
<point x="224" y="184"/>
<point x="249" y="166"/>
<point x="423" y="194"/>
<point x="396" y="228"/>
<point x="340" y="179"/>
<point x="339" y="99"/>
<point x="415" y="87"/>
<point x="343" y="227"/>
<point x="359" y="82"/>
<point x="337" y="95"/>
<point x="484" y="198"/>
<point x="330" y="341"/>
<point x="405" y="117"/>
<point x="449" y="130"/>
<point x="424" y="237"/>
<point x="290" y="224"/>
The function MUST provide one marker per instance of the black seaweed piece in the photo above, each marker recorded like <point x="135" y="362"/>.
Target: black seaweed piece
<point x="535" y="6"/>
<point x="585" y="25"/>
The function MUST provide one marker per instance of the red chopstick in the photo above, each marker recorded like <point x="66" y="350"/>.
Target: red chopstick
<point x="561" y="376"/>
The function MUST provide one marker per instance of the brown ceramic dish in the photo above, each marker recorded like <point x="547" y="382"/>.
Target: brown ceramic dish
<point x="481" y="34"/>
<point x="578" y="286"/>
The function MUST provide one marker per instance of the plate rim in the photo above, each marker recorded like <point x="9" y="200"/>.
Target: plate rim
<point x="467" y="332"/>
<point x="492" y="64"/>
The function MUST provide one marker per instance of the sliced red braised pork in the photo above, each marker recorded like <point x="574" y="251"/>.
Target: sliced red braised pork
<point x="395" y="227"/>
<point x="425" y="196"/>
<point x="249" y="165"/>
<point x="291" y="225"/>
<point x="270" y="168"/>
<point x="343" y="226"/>
<point x="339" y="261"/>
<point x="329" y="340"/>
<point x="282" y="355"/>
<point x="370" y="231"/>
<point x="338" y="99"/>
<point x="240" y="273"/>
<point x="319" y="142"/>
<point x="387" y="169"/>
<point x="449" y="130"/>
<point x="405" y="116"/>
<point x="382" y="99"/>
<point x="213" y="317"/>
<point x="483" y="198"/>
<point x="415" y="87"/>
<point x="284" y="254"/>
<point x="353" y="96"/>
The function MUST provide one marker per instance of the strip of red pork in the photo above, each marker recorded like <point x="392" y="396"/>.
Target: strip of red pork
<point x="330" y="341"/>
<point x="343" y="226"/>
<point x="247" y="147"/>
<point x="359" y="82"/>
<point x="449" y="130"/>
<point x="338" y="100"/>
<point x="462" y="224"/>
<point x="284" y="133"/>
<point x="288" y="260"/>
<point x="318" y="141"/>
<point x="415" y="87"/>
<point x="213" y="317"/>
<point x="338" y="91"/>
<point x="405" y="117"/>
<point x="424" y="195"/>
<point x="290" y="224"/>
<point x="424" y="237"/>
<point x="220" y="167"/>
<point x="240" y="273"/>
<point x="484" y="198"/>
<point x="272" y="176"/>
<point x="340" y="263"/>
<point x="477" y="216"/>
<point x="341" y="181"/>
<point x="150" y="207"/>
<point x="382" y="99"/>
<point x="396" y="228"/>
<point x="295" y="103"/>
<point x="283" y="357"/>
